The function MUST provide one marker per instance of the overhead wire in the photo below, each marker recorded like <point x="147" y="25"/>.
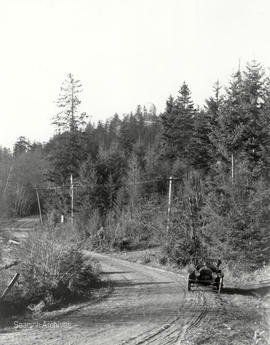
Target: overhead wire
<point x="75" y="185"/>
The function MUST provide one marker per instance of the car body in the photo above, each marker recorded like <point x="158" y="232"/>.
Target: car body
<point x="206" y="274"/>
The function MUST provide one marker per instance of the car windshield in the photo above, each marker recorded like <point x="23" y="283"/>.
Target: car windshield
<point x="212" y="264"/>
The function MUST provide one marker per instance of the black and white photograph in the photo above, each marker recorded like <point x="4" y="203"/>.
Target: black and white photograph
<point x="135" y="172"/>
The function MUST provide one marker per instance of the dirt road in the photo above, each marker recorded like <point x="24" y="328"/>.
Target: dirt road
<point x="18" y="229"/>
<point x="145" y="306"/>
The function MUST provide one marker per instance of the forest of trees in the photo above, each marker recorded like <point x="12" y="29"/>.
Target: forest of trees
<point x="218" y="156"/>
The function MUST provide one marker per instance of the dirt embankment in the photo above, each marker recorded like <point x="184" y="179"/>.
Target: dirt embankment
<point x="147" y="306"/>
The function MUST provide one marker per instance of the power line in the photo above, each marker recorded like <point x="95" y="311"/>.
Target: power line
<point x="76" y="185"/>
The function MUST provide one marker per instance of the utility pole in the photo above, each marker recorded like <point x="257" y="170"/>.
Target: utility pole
<point x="39" y="208"/>
<point x="8" y="178"/>
<point x="72" y="197"/>
<point x="232" y="168"/>
<point x="169" y="205"/>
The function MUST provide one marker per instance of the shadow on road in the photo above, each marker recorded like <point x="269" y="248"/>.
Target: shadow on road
<point x="116" y="272"/>
<point x="259" y="291"/>
<point x="124" y="283"/>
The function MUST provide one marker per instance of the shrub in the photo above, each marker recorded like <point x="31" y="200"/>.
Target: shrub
<point x="53" y="268"/>
<point x="146" y="259"/>
<point x="163" y="260"/>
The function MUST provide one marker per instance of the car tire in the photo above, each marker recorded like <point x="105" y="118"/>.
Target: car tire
<point x="189" y="285"/>
<point x="220" y="286"/>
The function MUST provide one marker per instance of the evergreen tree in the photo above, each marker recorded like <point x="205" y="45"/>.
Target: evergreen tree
<point x="242" y="123"/>
<point x="213" y="104"/>
<point x="114" y="127"/>
<point x="132" y="182"/>
<point x="168" y="120"/>
<point x="65" y="153"/>
<point x="102" y="179"/>
<point x="69" y="119"/>
<point x="200" y="155"/>
<point x="128" y="133"/>
<point x="230" y="128"/>
<point x="213" y="112"/>
<point x="21" y="146"/>
<point x="178" y="126"/>
<point x="256" y="135"/>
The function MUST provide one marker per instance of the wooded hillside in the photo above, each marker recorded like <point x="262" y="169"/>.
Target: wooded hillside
<point x="218" y="155"/>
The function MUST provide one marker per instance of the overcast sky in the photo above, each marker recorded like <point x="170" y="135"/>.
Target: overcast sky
<point x="125" y="52"/>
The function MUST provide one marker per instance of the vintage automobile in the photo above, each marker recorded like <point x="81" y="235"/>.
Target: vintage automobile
<point x="206" y="273"/>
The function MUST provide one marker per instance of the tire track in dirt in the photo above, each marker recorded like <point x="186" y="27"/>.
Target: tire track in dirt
<point x="190" y="315"/>
<point x="202" y="305"/>
<point x="175" y="331"/>
<point x="164" y="332"/>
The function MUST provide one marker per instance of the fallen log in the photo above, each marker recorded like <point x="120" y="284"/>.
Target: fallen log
<point x="13" y="242"/>
<point x="5" y="267"/>
<point x="10" y="284"/>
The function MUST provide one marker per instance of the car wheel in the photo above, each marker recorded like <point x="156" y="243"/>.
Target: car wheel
<point x="189" y="285"/>
<point x="220" y="286"/>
